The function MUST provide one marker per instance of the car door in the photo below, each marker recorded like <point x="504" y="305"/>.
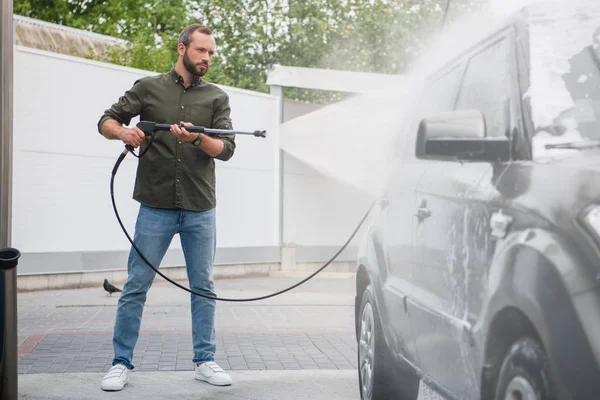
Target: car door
<point x="441" y="276"/>
<point x="398" y="215"/>
<point x="444" y="236"/>
<point x="396" y="232"/>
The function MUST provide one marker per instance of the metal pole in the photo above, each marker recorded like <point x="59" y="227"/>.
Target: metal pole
<point x="278" y="91"/>
<point x="8" y="274"/>
<point x="446" y="13"/>
<point x="8" y="324"/>
<point x="6" y="119"/>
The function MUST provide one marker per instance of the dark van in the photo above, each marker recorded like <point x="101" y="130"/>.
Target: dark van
<point x="479" y="273"/>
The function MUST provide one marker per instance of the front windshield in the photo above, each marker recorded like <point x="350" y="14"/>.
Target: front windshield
<point x="565" y="76"/>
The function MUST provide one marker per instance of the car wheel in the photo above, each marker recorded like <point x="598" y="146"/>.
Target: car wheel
<point x="378" y="377"/>
<point x="525" y="373"/>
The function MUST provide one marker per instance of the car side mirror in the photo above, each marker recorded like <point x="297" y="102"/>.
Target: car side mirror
<point x="460" y="135"/>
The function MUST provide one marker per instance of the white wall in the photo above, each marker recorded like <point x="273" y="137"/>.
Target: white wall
<point x="336" y="162"/>
<point x="62" y="165"/>
<point x="319" y="210"/>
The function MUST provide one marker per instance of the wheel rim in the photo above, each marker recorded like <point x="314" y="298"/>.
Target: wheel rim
<point x="366" y="351"/>
<point x="520" y="389"/>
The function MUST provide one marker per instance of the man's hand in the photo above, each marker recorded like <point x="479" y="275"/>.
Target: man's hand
<point x="132" y="136"/>
<point x="211" y="146"/>
<point x="111" y="129"/>
<point x="182" y="134"/>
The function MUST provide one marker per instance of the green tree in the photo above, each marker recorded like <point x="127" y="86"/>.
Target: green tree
<point x="151" y="27"/>
<point x="123" y="19"/>
<point x="252" y="35"/>
<point x="381" y="36"/>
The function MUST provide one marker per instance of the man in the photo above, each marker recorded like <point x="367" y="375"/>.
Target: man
<point x="175" y="186"/>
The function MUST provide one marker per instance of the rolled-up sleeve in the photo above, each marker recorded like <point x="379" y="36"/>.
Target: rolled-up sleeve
<point x="222" y="120"/>
<point x="128" y="106"/>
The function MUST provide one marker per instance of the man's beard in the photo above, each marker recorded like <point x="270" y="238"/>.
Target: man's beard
<point x="192" y="68"/>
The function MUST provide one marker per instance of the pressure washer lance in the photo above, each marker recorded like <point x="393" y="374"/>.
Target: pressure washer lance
<point x="150" y="129"/>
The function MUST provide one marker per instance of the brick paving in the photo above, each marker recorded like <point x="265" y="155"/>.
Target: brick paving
<point x="310" y="328"/>
<point x="59" y="353"/>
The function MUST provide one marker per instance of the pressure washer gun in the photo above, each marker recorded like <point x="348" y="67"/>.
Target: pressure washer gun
<point x="149" y="128"/>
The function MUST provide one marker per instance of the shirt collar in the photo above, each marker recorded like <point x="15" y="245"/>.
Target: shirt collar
<point x="179" y="79"/>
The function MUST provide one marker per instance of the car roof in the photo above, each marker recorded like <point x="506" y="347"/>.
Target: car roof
<point x="464" y="35"/>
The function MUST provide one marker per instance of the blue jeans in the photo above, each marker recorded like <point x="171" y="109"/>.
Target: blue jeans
<point x="154" y="231"/>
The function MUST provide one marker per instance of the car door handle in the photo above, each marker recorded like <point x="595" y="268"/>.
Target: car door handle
<point x="423" y="213"/>
<point x="383" y="202"/>
<point x="500" y="224"/>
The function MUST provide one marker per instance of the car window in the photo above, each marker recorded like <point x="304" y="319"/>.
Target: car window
<point x="441" y="91"/>
<point x="486" y="87"/>
<point x="581" y="121"/>
<point x="438" y="95"/>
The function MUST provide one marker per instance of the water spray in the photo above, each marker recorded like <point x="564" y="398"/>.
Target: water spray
<point x="150" y="129"/>
<point x="446" y="13"/>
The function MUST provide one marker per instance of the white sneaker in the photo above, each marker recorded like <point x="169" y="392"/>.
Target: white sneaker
<point x="116" y="378"/>
<point x="210" y="372"/>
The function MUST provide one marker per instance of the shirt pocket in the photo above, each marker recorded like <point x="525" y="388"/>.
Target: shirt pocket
<point x="200" y="114"/>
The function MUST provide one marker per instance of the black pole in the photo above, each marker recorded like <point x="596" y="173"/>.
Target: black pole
<point x="9" y="258"/>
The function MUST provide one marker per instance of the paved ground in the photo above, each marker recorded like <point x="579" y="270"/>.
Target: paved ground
<point x="301" y="343"/>
<point x="248" y="385"/>
<point x="310" y="328"/>
<point x="171" y="352"/>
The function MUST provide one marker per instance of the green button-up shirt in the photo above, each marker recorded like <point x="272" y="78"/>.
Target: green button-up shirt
<point x="174" y="174"/>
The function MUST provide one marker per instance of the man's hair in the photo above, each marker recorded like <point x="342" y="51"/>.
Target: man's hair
<point x="186" y="36"/>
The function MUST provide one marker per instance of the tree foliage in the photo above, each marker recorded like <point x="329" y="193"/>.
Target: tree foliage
<point x="380" y="36"/>
<point x="151" y="27"/>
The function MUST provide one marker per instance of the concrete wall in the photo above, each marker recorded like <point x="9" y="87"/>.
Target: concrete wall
<point x="294" y="109"/>
<point x="62" y="215"/>
<point x="320" y="213"/>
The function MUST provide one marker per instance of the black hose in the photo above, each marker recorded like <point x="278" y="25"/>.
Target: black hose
<point x="112" y="196"/>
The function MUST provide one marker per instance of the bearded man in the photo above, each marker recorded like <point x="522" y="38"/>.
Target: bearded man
<point x="175" y="186"/>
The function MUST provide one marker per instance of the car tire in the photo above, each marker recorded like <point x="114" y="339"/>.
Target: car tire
<point x="525" y="373"/>
<point x="378" y="375"/>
